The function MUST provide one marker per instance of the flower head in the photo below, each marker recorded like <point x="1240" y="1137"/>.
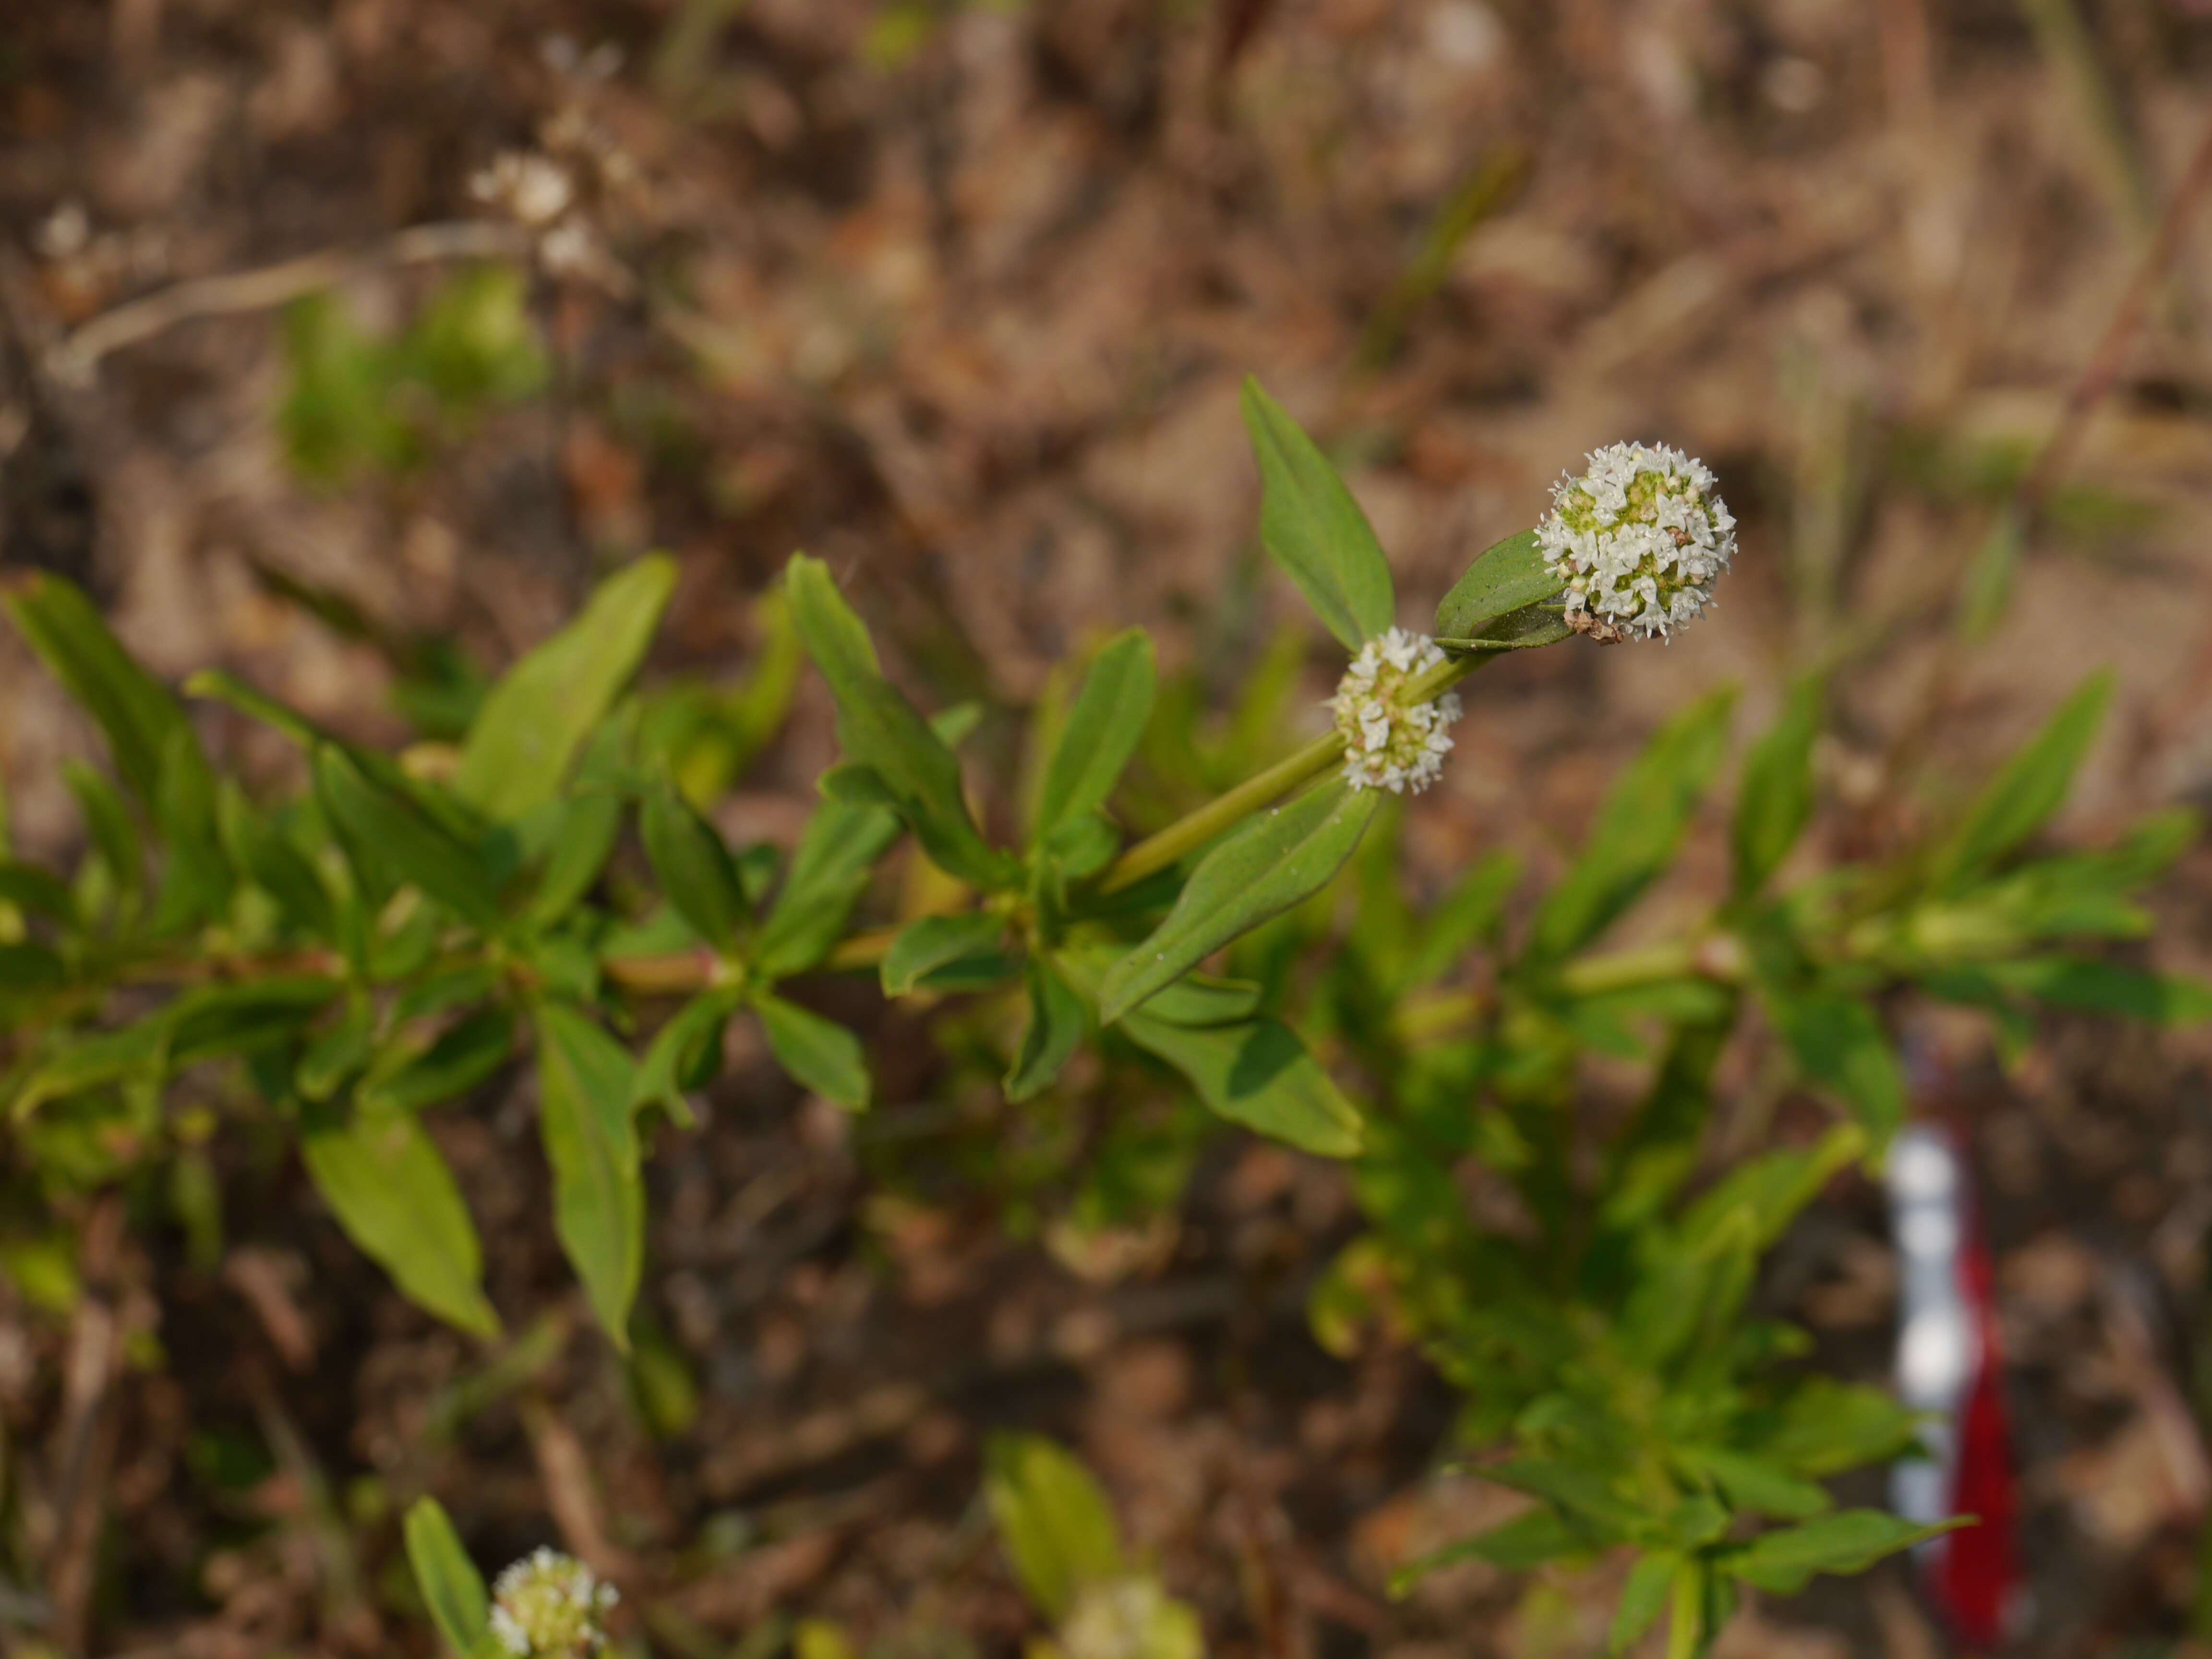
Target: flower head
<point x="531" y="188"/>
<point x="1640" y="538"/>
<point x="1391" y="742"/>
<point x="548" y="1606"/>
<point x="1129" y="1619"/>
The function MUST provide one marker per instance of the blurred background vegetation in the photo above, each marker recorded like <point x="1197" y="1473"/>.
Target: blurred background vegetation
<point x="957" y="296"/>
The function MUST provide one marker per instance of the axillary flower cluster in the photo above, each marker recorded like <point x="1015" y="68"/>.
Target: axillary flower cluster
<point x="1391" y="742"/>
<point x="1640" y="538"/>
<point x="549" y="1606"/>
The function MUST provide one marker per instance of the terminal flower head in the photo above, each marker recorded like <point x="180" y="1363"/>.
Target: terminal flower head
<point x="549" y="1606"/>
<point x="1390" y="742"/>
<point x="1639" y="540"/>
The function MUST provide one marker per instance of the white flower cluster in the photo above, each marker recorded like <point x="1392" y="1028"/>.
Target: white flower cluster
<point x="1640" y="538"/>
<point x="532" y="189"/>
<point x="1389" y="742"/>
<point x="548" y="1606"/>
<point x="1129" y="1619"/>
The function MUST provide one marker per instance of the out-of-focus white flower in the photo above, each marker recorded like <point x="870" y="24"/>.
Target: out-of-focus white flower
<point x="534" y="189"/>
<point x="1390" y="742"/>
<point x="1129" y="1619"/>
<point x="549" y="1606"/>
<point x="1640" y="539"/>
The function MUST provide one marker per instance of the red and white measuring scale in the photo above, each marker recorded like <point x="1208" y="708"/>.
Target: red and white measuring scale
<point x="1950" y="1366"/>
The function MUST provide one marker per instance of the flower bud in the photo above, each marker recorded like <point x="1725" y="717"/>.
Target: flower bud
<point x="1638" y="539"/>
<point x="548" y="1606"/>
<point x="1390" y="742"/>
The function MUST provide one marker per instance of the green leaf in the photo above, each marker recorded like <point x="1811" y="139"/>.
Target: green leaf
<point x="879" y="729"/>
<point x="452" y="1587"/>
<point x="830" y="870"/>
<point x="1261" y="869"/>
<point x="585" y="1085"/>
<point x="338" y="1054"/>
<point x="40" y="892"/>
<point x="389" y="1188"/>
<point x="1750" y="1482"/>
<point x="1638" y="829"/>
<point x="1783" y="1562"/>
<point x="695" y="867"/>
<point x="1825" y="1427"/>
<point x="687" y="1047"/>
<point x="30" y="967"/>
<point x="195" y="876"/>
<point x="585" y="827"/>
<point x="2105" y="988"/>
<point x="1525" y="1541"/>
<point x="215" y="1020"/>
<point x="95" y="1060"/>
<point x="821" y="1054"/>
<point x="1313" y="528"/>
<point x="1642" y="1599"/>
<point x="1259" y="1074"/>
<point x="379" y="824"/>
<point x="1776" y="797"/>
<point x="1054" y="1032"/>
<point x="1053" y="1519"/>
<point x="113" y="835"/>
<point x="1101" y="733"/>
<point x="942" y="945"/>
<point x="1840" y="1046"/>
<point x="1500" y="599"/>
<point x="2029" y="788"/>
<point x="134" y="710"/>
<point x="543" y="708"/>
<point x="463" y="1056"/>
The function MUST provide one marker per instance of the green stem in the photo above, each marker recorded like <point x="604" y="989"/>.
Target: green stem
<point x="1224" y="811"/>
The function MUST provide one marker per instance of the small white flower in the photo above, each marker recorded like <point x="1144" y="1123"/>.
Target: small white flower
<point x="549" y="1606"/>
<point x="534" y="189"/>
<point x="1390" y="743"/>
<point x="1640" y="538"/>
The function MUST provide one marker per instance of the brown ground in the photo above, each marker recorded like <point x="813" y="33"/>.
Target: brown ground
<point x="970" y="325"/>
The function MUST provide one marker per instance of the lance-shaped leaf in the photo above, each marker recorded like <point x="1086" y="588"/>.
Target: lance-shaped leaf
<point x="1525" y="1541"/>
<point x="820" y="1053"/>
<point x="1055" y="1029"/>
<point x="452" y="1587"/>
<point x="1313" y="528"/>
<point x="1776" y="796"/>
<point x="695" y="867"/>
<point x="1053" y="1520"/>
<point x="945" y="953"/>
<point x="2105" y="988"/>
<point x="684" y="1054"/>
<point x="2028" y="789"/>
<point x="1261" y="869"/>
<point x="381" y="826"/>
<point x="134" y="710"/>
<point x="1642" y="1598"/>
<point x="1638" y="828"/>
<point x="1256" y="1072"/>
<point x="1101" y="733"/>
<point x="530" y="726"/>
<point x="880" y="730"/>
<point x="1850" y="1540"/>
<point x="836" y="854"/>
<point x="584" y="1091"/>
<point x="390" y="1189"/>
<point x="1840" y="1044"/>
<point x="1500" y="599"/>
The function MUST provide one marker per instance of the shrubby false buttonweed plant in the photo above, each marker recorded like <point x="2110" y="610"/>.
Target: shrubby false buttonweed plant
<point x="377" y="949"/>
